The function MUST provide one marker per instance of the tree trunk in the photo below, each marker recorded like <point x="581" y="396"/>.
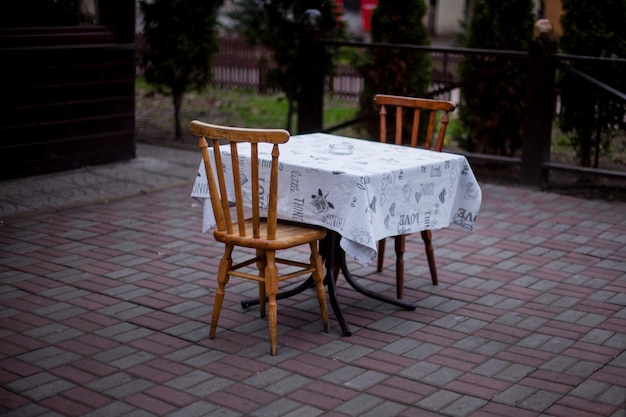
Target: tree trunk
<point x="177" y="98"/>
<point x="586" y="143"/>
<point x="289" y="114"/>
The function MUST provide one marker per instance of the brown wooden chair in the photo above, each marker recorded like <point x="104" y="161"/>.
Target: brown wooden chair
<point x="264" y="235"/>
<point x="422" y="110"/>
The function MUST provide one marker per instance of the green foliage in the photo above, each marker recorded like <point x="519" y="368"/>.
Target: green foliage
<point x="589" y="116"/>
<point x="181" y="40"/>
<point x="395" y="71"/>
<point x="281" y="26"/>
<point x="492" y="108"/>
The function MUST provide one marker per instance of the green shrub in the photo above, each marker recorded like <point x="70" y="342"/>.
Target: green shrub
<point x="492" y="99"/>
<point x="589" y="116"/>
<point x="395" y="71"/>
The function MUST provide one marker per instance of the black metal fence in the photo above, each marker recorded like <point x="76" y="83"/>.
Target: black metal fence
<point x="241" y="66"/>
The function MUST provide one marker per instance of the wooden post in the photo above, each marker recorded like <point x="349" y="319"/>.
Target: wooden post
<point x="539" y="113"/>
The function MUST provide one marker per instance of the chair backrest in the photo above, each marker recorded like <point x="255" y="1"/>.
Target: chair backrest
<point x="217" y="178"/>
<point x="419" y="107"/>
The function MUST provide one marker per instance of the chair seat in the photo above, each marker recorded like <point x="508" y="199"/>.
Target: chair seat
<point x="288" y="234"/>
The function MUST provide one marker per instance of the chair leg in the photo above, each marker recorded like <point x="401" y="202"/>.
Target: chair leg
<point x="318" y="277"/>
<point x="381" y="255"/>
<point x="430" y="255"/>
<point x="261" y="267"/>
<point x="222" y="279"/>
<point x="271" y="289"/>
<point x="399" y="246"/>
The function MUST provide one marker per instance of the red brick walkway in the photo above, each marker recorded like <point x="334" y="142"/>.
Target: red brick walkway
<point x="105" y="310"/>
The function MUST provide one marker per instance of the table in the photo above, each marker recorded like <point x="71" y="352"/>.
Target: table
<point x="363" y="192"/>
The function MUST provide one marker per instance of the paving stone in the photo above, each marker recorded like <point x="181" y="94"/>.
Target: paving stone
<point x="359" y="405"/>
<point x="31" y="382"/>
<point x="401" y="346"/>
<point x="491" y="300"/>
<point x="556" y="345"/>
<point x="441" y="376"/>
<point x="491" y="367"/>
<point x="491" y="348"/>
<point x="539" y="400"/>
<point x="613" y="395"/>
<point x="589" y="389"/>
<point x="209" y="387"/>
<point x="128" y="292"/>
<point x="514" y="372"/>
<point x="201" y="409"/>
<point x="423" y="351"/>
<point x="29" y="410"/>
<point x="277" y="408"/>
<point x="515" y="394"/>
<point x="48" y="390"/>
<point x="463" y="406"/>
<point x="531" y="323"/>
<point x="366" y="380"/>
<point x="343" y="375"/>
<point x="123" y="312"/>
<point x="534" y="340"/>
<point x="582" y="369"/>
<point x="559" y="363"/>
<point x="132" y="359"/>
<point x="419" y="370"/>
<point x="288" y="384"/>
<point x="128" y="389"/>
<point x="304" y="411"/>
<point x="387" y="408"/>
<point x="470" y="325"/>
<point x="114" y="409"/>
<point x="331" y="348"/>
<point x="49" y="357"/>
<point x="598" y="336"/>
<point x="439" y="400"/>
<point x="60" y="311"/>
<point x="352" y="354"/>
<point x="204" y="358"/>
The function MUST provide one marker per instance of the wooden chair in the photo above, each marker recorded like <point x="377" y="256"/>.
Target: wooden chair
<point x="265" y="235"/>
<point x="420" y="108"/>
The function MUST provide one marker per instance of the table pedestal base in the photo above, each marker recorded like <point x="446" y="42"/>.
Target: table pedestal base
<point x="335" y="261"/>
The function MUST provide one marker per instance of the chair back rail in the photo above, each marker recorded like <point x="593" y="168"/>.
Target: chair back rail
<point x="216" y="178"/>
<point x="418" y="105"/>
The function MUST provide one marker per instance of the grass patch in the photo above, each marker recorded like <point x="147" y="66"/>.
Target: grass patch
<point x="231" y="107"/>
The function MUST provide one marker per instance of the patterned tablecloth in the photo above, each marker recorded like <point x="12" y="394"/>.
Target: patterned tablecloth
<point x="365" y="190"/>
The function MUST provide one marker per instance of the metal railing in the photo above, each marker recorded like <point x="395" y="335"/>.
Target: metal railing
<point x="241" y="66"/>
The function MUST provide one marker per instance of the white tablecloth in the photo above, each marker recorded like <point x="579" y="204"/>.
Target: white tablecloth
<point x="377" y="191"/>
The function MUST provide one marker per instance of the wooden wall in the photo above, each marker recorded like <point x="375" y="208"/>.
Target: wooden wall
<point x="67" y="94"/>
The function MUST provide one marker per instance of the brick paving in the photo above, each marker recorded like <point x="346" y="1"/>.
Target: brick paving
<point x="107" y="287"/>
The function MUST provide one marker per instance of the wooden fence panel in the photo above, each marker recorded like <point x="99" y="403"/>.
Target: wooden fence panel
<point x="239" y="65"/>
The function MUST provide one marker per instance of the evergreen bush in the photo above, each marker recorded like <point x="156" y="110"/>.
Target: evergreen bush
<point x="180" y="42"/>
<point x="491" y="111"/>
<point x="589" y="116"/>
<point x="395" y="71"/>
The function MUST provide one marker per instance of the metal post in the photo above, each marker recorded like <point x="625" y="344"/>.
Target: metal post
<point x="311" y="77"/>
<point x="539" y="111"/>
